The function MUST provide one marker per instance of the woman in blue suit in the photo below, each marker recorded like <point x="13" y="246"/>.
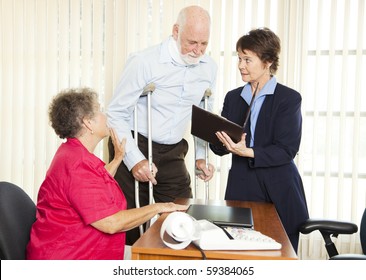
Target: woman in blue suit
<point x="262" y="167"/>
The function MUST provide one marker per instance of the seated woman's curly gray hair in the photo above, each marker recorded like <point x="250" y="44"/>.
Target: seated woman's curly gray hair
<point x="68" y="109"/>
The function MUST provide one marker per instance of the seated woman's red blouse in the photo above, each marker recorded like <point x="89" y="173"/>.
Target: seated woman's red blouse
<point x="76" y="192"/>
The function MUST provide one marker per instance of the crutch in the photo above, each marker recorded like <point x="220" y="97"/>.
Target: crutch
<point x="205" y="102"/>
<point x="147" y="91"/>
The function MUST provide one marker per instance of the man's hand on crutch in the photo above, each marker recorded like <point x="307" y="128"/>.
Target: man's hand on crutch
<point x="142" y="173"/>
<point x="205" y="170"/>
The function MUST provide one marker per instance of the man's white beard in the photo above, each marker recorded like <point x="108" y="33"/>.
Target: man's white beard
<point x="189" y="58"/>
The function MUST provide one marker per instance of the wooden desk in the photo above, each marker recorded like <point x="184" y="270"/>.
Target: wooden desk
<point x="266" y="220"/>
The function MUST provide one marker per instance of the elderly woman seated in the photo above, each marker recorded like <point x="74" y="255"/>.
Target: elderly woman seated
<point x="81" y="210"/>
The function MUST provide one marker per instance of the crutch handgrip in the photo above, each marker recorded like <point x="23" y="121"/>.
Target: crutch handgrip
<point x="147" y="89"/>
<point x="207" y="93"/>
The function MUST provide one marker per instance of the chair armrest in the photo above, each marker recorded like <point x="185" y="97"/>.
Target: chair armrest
<point x="329" y="226"/>
<point x="352" y="257"/>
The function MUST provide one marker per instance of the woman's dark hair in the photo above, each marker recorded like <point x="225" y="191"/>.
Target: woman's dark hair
<point x="264" y="43"/>
<point x="68" y="108"/>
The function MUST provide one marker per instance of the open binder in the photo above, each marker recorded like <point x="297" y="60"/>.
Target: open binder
<point x="205" y="124"/>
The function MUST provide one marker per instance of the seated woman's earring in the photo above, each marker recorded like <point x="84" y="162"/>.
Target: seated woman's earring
<point x="87" y="124"/>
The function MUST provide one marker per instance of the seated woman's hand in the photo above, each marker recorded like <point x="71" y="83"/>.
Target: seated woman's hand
<point x="171" y="207"/>
<point x="119" y="146"/>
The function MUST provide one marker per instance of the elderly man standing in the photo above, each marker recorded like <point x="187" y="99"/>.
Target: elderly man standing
<point x="181" y="73"/>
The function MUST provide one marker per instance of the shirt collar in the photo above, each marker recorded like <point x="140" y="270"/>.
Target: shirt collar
<point x="268" y="89"/>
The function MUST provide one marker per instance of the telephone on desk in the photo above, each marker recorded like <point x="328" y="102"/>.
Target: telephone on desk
<point x="184" y="229"/>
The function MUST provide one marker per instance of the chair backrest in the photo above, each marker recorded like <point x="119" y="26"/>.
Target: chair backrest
<point x="17" y="214"/>
<point x="363" y="232"/>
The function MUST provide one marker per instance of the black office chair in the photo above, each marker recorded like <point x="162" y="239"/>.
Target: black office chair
<point x="330" y="228"/>
<point x="17" y="214"/>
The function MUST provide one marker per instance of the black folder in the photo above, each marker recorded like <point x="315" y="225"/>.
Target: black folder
<point x="222" y="215"/>
<point x="205" y="124"/>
